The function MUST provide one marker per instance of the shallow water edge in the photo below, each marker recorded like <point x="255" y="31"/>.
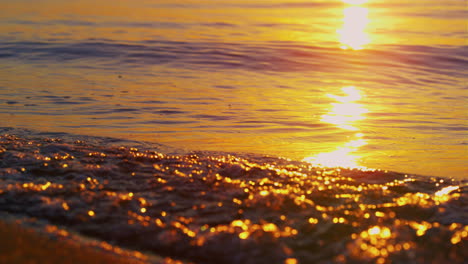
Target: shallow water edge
<point x="230" y="208"/>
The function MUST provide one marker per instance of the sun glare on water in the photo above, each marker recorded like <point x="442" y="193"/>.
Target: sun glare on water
<point x="341" y="157"/>
<point x="355" y="2"/>
<point x="344" y="113"/>
<point x="353" y="35"/>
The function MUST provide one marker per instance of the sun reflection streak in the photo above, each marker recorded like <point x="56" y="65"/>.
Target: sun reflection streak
<point x="346" y="111"/>
<point x="344" y="114"/>
<point x="355" y="2"/>
<point x="353" y="34"/>
<point x="341" y="157"/>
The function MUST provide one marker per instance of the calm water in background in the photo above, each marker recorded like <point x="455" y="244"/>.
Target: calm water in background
<point x="380" y="84"/>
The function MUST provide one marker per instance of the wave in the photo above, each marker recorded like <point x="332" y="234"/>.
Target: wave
<point x="209" y="207"/>
<point x="270" y="56"/>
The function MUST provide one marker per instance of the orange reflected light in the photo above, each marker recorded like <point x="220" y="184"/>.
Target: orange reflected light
<point x="344" y="113"/>
<point x="446" y="190"/>
<point x="353" y="33"/>
<point x="341" y="157"/>
<point x="354" y="2"/>
<point x="446" y="194"/>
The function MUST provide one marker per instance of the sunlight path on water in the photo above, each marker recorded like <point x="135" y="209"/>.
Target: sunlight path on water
<point x="353" y="35"/>
<point x="344" y="114"/>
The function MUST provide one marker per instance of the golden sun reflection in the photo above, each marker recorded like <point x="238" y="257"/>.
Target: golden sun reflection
<point x="341" y="157"/>
<point x="355" y="2"/>
<point x="353" y="34"/>
<point x="344" y="114"/>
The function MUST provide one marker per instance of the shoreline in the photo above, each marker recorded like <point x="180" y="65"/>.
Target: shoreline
<point x="145" y="145"/>
<point x="27" y="240"/>
<point x="215" y="208"/>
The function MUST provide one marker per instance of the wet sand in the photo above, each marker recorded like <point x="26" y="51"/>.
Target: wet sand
<point x="20" y="243"/>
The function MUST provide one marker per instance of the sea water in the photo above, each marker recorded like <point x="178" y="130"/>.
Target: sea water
<point x="377" y="84"/>
<point x="240" y="131"/>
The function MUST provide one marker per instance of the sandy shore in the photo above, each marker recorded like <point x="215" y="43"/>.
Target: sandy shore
<point x="20" y="243"/>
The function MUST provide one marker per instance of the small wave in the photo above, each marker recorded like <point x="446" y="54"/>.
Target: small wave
<point x="229" y="208"/>
<point x="280" y="57"/>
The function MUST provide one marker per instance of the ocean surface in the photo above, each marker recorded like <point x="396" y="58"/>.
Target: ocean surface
<point x="377" y="84"/>
<point x="265" y="131"/>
